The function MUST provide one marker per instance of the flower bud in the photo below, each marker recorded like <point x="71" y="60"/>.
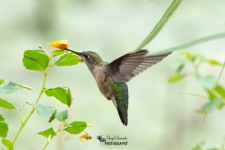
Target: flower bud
<point x="61" y="44"/>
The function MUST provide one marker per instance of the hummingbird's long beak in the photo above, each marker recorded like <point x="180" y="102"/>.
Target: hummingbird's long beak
<point x="78" y="53"/>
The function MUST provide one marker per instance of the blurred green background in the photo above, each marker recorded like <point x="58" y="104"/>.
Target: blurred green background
<point x="161" y="115"/>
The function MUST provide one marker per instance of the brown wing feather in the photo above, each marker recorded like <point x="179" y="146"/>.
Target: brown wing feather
<point x="131" y="64"/>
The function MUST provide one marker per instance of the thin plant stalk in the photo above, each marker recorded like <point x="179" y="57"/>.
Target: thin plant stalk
<point x="192" y="43"/>
<point x="31" y="112"/>
<point x="166" y="16"/>
<point x="221" y="72"/>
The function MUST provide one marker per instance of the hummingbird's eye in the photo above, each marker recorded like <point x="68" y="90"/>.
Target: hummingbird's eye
<point x="85" y="55"/>
<point x="88" y="57"/>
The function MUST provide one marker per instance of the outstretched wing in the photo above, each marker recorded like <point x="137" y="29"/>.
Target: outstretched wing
<point x="131" y="64"/>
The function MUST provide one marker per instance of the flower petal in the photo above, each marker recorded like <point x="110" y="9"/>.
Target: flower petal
<point x="85" y="136"/>
<point x="61" y="44"/>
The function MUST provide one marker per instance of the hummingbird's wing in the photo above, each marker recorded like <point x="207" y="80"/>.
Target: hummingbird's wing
<point x="131" y="64"/>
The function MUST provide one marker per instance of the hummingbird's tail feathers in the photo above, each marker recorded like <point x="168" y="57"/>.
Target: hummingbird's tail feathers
<point x="123" y="116"/>
<point x="120" y="99"/>
<point x="122" y="110"/>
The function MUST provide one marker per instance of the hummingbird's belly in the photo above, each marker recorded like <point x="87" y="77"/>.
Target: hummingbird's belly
<point x="106" y="90"/>
<point x="103" y="83"/>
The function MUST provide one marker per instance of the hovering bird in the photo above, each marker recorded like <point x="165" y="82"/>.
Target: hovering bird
<point x="111" y="77"/>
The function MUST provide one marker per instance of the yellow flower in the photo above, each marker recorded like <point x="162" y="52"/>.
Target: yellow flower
<point x="85" y="136"/>
<point x="61" y="44"/>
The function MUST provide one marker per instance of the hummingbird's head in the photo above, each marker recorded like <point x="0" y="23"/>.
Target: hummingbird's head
<point x="90" y="58"/>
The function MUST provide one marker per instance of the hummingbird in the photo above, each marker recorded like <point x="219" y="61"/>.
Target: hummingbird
<point x="111" y="77"/>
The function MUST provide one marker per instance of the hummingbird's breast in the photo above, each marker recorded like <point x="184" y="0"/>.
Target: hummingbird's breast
<point x="100" y="76"/>
<point x="104" y="86"/>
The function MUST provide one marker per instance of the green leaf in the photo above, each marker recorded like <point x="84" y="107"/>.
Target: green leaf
<point x="220" y="90"/>
<point x="43" y="110"/>
<point x="176" y="78"/>
<point x="57" y="52"/>
<point x="214" y="62"/>
<point x="217" y="92"/>
<point x="68" y="59"/>
<point x="5" y="104"/>
<point x="7" y="143"/>
<point x="35" y="60"/>
<point x="69" y="97"/>
<point x="62" y="115"/>
<point x="211" y="93"/>
<point x="53" y="116"/>
<point x="188" y="56"/>
<point x="76" y="127"/>
<point x="9" y="88"/>
<point x="1" y="81"/>
<point x="195" y="58"/>
<point x="2" y="118"/>
<point x="198" y="146"/>
<point x="208" y="81"/>
<point x="48" y="133"/>
<point x="179" y="65"/>
<point x="3" y="129"/>
<point x="61" y="94"/>
<point x="211" y="105"/>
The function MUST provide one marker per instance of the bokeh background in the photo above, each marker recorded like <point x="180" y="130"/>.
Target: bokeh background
<point x="161" y="115"/>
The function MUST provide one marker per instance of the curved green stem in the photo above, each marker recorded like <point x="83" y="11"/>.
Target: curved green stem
<point x="31" y="112"/>
<point x="166" y="16"/>
<point x="192" y="43"/>
<point x="221" y="72"/>
<point x="20" y="115"/>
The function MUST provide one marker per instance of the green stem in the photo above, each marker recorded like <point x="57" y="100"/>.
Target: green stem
<point x="196" y="95"/>
<point x="21" y="118"/>
<point x="46" y="145"/>
<point x="221" y="72"/>
<point x="30" y="114"/>
<point x="189" y="44"/>
<point x="166" y="16"/>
